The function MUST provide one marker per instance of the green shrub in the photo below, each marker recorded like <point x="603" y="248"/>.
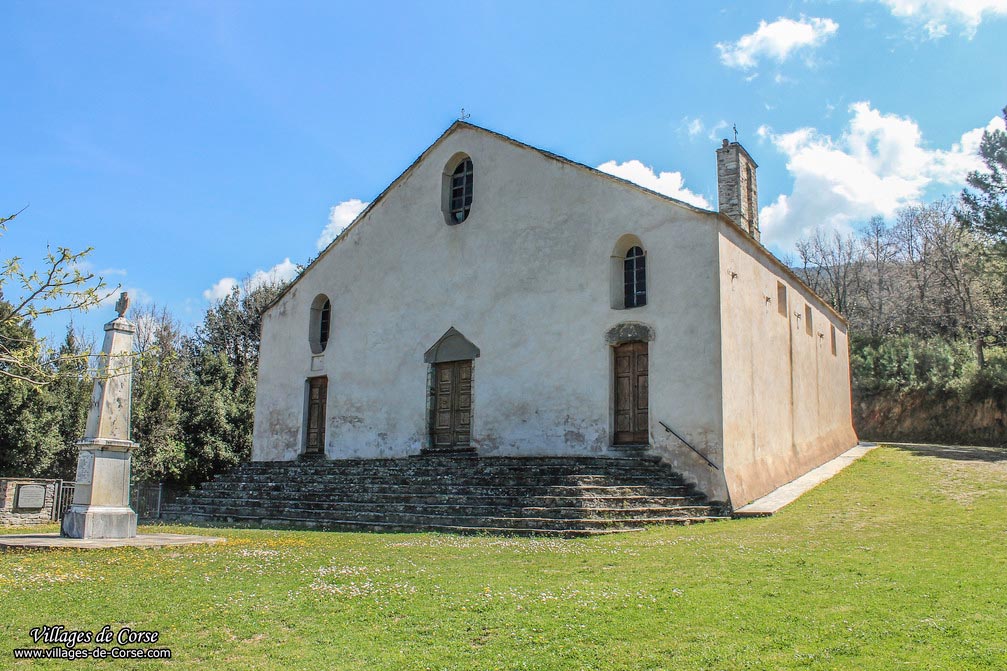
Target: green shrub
<point x="991" y="381"/>
<point x="911" y="363"/>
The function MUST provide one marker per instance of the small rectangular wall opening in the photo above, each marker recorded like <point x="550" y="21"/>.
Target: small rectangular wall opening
<point x="808" y="326"/>
<point x="781" y="298"/>
<point x="833" y="332"/>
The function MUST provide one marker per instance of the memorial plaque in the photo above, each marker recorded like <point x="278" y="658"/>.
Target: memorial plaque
<point x="30" y="497"/>
<point x="85" y="467"/>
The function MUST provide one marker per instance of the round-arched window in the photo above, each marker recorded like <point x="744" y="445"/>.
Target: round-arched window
<point x="634" y="276"/>
<point x="628" y="278"/>
<point x="320" y="323"/>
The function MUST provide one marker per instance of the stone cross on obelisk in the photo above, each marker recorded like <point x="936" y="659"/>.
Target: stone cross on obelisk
<point x="100" y="506"/>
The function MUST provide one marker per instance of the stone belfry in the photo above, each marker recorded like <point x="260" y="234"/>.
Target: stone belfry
<point x="737" y="189"/>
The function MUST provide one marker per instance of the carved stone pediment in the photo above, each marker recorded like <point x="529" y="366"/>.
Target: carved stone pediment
<point x="452" y="346"/>
<point x="629" y="332"/>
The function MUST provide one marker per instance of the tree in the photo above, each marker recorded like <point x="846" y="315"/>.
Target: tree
<point x="930" y="277"/>
<point x="218" y="403"/>
<point x="232" y="325"/>
<point x="965" y="299"/>
<point x="984" y="206"/>
<point x="28" y="430"/>
<point x="61" y="285"/>
<point x="216" y="417"/>
<point x="878" y="281"/>
<point x="69" y="396"/>
<point x="161" y="376"/>
<point x="831" y="267"/>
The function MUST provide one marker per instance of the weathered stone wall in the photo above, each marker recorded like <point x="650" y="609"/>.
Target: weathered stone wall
<point x="786" y="401"/>
<point x="12" y="516"/>
<point x="737" y="187"/>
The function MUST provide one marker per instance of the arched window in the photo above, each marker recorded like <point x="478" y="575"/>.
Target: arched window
<point x="323" y="323"/>
<point x="634" y="278"/>
<point x="628" y="274"/>
<point x="460" y="193"/>
<point x="320" y="323"/>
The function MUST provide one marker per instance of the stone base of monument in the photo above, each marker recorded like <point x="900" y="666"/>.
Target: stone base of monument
<point x="101" y="497"/>
<point x="98" y="522"/>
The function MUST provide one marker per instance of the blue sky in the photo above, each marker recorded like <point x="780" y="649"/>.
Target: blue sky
<point x="195" y="144"/>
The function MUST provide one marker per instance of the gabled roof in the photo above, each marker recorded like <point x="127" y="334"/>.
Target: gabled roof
<point x="757" y="246"/>
<point x="450" y="130"/>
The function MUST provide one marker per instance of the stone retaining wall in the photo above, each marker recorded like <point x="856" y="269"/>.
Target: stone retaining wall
<point x="11" y="515"/>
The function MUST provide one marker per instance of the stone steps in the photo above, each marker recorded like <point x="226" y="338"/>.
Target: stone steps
<point x="348" y="502"/>
<point x="366" y="511"/>
<point x="464" y="494"/>
<point x="312" y="523"/>
<point x="517" y="490"/>
<point x="528" y="520"/>
<point x="486" y="477"/>
<point x="506" y="525"/>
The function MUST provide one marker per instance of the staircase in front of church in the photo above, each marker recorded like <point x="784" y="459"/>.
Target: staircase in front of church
<point x="567" y="496"/>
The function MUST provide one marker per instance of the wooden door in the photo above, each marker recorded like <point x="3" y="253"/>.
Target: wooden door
<point x="631" y="402"/>
<point x="451" y="424"/>
<point x="317" y="391"/>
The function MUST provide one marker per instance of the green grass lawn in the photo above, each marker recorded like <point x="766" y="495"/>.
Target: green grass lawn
<point x="900" y="562"/>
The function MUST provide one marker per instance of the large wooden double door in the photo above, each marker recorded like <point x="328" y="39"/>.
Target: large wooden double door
<point x="451" y="424"/>
<point x="631" y="402"/>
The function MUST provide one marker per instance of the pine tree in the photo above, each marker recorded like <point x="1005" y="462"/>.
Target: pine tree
<point x="984" y="206"/>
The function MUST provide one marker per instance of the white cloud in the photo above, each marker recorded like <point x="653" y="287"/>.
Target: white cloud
<point x="284" y="271"/>
<point x="669" y="183"/>
<point x="776" y="40"/>
<point x="935" y="16"/>
<point x="879" y="164"/>
<point x="221" y="289"/>
<point x="340" y="216"/>
<point x="717" y="127"/>
<point x="693" y="127"/>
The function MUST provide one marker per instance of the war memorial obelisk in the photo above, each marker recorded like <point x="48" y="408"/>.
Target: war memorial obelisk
<point x="100" y="506"/>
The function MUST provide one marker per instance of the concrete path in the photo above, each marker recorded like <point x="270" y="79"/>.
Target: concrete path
<point x="55" y="541"/>
<point x="776" y="499"/>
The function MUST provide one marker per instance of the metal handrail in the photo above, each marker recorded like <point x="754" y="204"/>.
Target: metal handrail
<point x="688" y="444"/>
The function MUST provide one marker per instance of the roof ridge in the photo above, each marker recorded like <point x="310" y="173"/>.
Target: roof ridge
<point x="459" y="123"/>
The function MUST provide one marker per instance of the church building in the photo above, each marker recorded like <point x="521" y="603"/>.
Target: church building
<point x="503" y="300"/>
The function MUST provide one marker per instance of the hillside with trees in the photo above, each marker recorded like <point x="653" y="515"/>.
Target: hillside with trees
<point x="925" y="297"/>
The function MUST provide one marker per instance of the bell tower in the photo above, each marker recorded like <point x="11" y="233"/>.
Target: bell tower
<point x="737" y="189"/>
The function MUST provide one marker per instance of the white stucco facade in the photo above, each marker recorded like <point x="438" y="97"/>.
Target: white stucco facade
<point x="528" y="279"/>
